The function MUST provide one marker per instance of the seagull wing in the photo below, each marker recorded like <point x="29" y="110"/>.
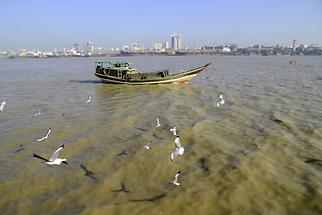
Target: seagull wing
<point x="174" y="181"/>
<point x="174" y="154"/>
<point x="2" y="106"/>
<point x="45" y="137"/>
<point x="180" y="151"/>
<point x="41" y="139"/>
<point x="41" y="158"/>
<point x="48" y="132"/>
<point x="176" y="177"/>
<point x="56" y="154"/>
<point x="177" y="143"/>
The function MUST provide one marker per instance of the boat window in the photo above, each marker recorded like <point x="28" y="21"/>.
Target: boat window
<point x="119" y="74"/>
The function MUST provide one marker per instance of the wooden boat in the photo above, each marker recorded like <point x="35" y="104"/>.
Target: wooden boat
<point x="123" y="73"/>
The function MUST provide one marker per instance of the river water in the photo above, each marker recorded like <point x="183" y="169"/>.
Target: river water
<point x="256" y="154"/>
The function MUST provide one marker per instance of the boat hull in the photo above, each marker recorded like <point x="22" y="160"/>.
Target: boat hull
<point x="183" y="77"/>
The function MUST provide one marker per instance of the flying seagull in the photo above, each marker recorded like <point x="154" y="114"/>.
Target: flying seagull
<point x="45" y="137"/>
<point x="175" y="180"/>
<point x="123" y="189"/>
<point x="158" y="123"/>
<point x="2" y="105"/>
<point x="89" y="99"/>
<point x="53" y="160"/>
<point x="221" y="100"/>
<point x="88" y="173"/>
<point x="177" y="150"/>
<point x="37" y="113"/>
<point x="148" y="146"/>
<point x="174" y="130"/>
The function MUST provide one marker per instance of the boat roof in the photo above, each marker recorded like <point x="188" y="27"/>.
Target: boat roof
<point x="114" y="63"/>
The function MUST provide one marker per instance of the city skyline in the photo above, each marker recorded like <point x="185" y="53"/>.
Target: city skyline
<point x="163" y="48"/>
<point x="173" y="42"/>
<point x="48" y="25"/>
<point x="174" y="45"/>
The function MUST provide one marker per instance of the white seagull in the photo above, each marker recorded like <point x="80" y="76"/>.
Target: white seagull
<point x="53" y="160"/>
<point x="2" y="105"/>
<point x="177" y="150"/>
<point x="221" y="100"/>
<point x="37" y="113"/>
<point x="148" y="146"/>
<point x="158" y="123"/>
<point x="45" y="137"/>
<point x="89" y="99"/>
<point x="174" y="130"/>
<point x="175" y="180"/>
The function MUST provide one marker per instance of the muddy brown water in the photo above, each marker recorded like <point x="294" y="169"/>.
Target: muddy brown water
<point x="257" y="154"/>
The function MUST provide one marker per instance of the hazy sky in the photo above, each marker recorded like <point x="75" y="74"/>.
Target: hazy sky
<point x="45" y="24"/>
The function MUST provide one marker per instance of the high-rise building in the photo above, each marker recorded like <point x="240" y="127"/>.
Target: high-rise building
<point x="89" y="47"/>
<point x="294" y="45"/>
<point x="166" y="45"/>
<point x="176" y="41"/>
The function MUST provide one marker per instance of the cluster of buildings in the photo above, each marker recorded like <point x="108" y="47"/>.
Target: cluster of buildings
<point x="76" y="50"/>
<point x="262" y="50"/>
<point x="167" y="48"/>
<point x="157" y="47"/>
<point x="176" y="48"/>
